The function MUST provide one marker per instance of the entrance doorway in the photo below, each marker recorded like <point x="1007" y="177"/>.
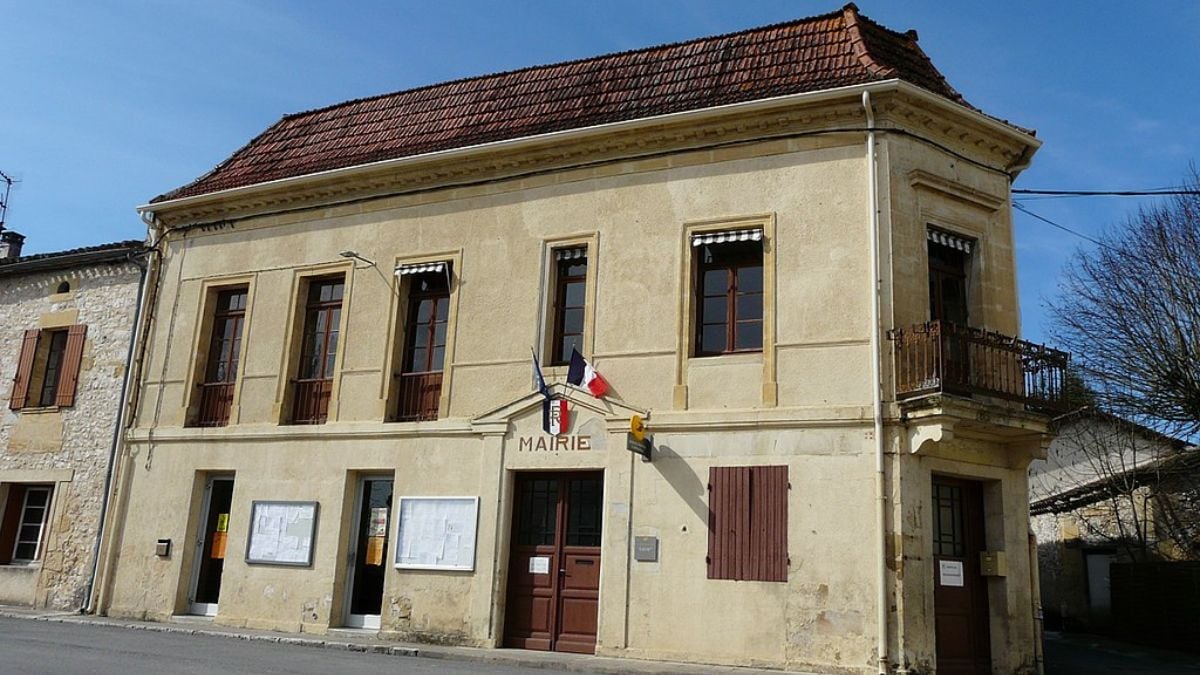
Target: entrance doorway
<point x="365" y="572"/>
<point x="961" y="626"/>
<point x="211" y="539"/>
<point x="554" y="564"/>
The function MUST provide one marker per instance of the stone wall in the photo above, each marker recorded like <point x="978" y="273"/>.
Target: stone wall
<point x="68" y="447"/>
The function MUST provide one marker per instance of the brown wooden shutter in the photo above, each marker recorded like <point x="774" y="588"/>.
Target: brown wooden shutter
<point x="68" y="377"/>
<point x="747" y="523"/>
<point x="20" y="393"/>
<point x="11" y="521"/>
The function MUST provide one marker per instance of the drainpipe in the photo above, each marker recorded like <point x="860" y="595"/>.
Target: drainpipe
<point x="877" y="398"/>
<point x="89" y="606"/>
<point x="119" y="478"/>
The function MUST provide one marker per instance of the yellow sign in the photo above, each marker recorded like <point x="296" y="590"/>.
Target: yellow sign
<point x="637" y="427"/>
<point x="222" y="522"/>
<point x="374" y="551"/>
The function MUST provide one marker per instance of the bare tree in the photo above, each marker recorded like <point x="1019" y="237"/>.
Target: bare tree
<point x="1130" y="314"/>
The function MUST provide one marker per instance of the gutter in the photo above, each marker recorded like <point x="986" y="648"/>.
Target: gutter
<point x="892" y="85"/>
<point x="877" y="399"/>
<point x="115" y="498"/>
<point x="88" y="606"/>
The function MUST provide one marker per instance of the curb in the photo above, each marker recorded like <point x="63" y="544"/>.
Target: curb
<point x="572" y="663"/>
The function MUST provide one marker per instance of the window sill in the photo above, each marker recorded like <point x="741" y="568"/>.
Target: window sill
<point x="18" y="566"/>
<point x="722" y="359"/>
<point x="41" y="410"/>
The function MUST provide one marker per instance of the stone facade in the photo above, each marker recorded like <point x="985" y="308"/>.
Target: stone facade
<point x="66" y="447"/>
<point x="805" y="172"/>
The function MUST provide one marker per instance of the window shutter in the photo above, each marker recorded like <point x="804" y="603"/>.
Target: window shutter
<point x="768" y="538"/>
<point x="68" y="378"/>
<point x="747" y="523"/>
<point x="12" y="519"/>
<point x="20" y="393"/>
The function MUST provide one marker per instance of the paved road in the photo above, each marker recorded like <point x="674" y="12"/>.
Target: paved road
<point x="45" y="648"/>
<point x="1073" y="654"/>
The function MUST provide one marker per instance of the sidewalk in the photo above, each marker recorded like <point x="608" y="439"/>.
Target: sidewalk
<point x="350" y="641"/>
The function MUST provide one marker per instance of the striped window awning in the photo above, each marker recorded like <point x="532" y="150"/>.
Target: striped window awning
<point x="727" y="236"/>
<point x="952" y="240"/>
<point x="570" y="253"/>
<point x="421" y="268"/>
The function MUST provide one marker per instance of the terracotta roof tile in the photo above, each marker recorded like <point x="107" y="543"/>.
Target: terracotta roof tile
<point x="822" y="52"/>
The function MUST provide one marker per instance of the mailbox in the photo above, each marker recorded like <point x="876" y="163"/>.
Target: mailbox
<point x="993" y="564"/>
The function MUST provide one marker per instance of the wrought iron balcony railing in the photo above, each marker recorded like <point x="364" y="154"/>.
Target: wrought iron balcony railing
<point x="420" y="396"/>
<point x="310" y="400"/>
<point x="216" y="398"/>
<point x="942" y="357"/>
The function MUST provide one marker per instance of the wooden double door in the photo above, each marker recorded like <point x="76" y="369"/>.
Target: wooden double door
<point x="554" y="563"/>
<point x="960" y="594"/>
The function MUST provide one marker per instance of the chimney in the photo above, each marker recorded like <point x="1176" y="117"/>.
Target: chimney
<point x="10" y="245"/>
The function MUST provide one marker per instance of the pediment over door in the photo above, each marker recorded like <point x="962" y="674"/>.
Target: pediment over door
<point x="589" y="416"/>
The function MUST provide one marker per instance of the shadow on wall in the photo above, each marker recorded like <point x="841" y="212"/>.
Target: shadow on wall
<point x="683" y="479"/>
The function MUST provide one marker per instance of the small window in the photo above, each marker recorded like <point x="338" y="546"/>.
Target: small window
<point x="55" y="342"/>
<point x="570" y="298"/>
<point x="48" y="367"/>
<point x="729" y="297"/>
<point x="747" y="523"/>
<point x="22" y="531"/>
<point x="221" y="366"/>
<point x="318" y="351"/>
<point x="64" y="287"/>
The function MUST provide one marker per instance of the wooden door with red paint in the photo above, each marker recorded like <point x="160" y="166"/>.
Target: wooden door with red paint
<point x="554" y="564"/>
<point x="960" y="596"/>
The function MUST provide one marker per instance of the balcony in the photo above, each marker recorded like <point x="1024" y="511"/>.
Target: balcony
<point x="216" y="398"/>
<point x="420" y="396"/>
<point x="944" y="358"/>
<point x="310" y="400"/>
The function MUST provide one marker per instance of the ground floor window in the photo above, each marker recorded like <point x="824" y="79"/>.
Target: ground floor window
<point x="23" y="525"/>
<point x="747" y="523"/>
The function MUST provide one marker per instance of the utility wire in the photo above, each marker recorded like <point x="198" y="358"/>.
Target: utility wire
<point x="1107" y="193"/>
<point x="1020" y="207"/>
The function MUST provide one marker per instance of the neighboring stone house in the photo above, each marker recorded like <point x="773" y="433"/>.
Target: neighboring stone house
<point x="68" y="318"/>
<point x="1110" y="491"/>
<point x="339" y="426"/>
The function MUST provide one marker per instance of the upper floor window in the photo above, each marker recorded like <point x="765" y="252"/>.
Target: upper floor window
<point x="318" y="350"/>
<point x="48" y="367"/>
<point x="728" y="292"/>
<point x="949" y="264"/>
<point x="224" y="350"/>
<point x="23" y="525"/>
<point x="570" y="293"/>
<point x="424" y="350"/>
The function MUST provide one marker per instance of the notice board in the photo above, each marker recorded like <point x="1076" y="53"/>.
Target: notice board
<point x="437" y="533"/>
<point x="281" y="533"/>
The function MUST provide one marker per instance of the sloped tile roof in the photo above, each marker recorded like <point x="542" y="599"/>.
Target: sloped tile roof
<point x="832" y="50"/>
<point x="86" y="255"/>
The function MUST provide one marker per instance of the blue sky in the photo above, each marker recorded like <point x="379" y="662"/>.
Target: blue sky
<point x="104" y="105"/>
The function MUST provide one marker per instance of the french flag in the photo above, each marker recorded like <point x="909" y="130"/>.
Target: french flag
<point x="581" y="374"/>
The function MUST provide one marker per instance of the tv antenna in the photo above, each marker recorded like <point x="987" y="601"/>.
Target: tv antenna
<point x="8" y="183"/>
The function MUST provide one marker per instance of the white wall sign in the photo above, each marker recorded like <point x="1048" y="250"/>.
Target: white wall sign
<point x="436" y="533"/>
<point x="950" y="572"/>
<point x="539" y="564"/>
<point x="281" y="533"/>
